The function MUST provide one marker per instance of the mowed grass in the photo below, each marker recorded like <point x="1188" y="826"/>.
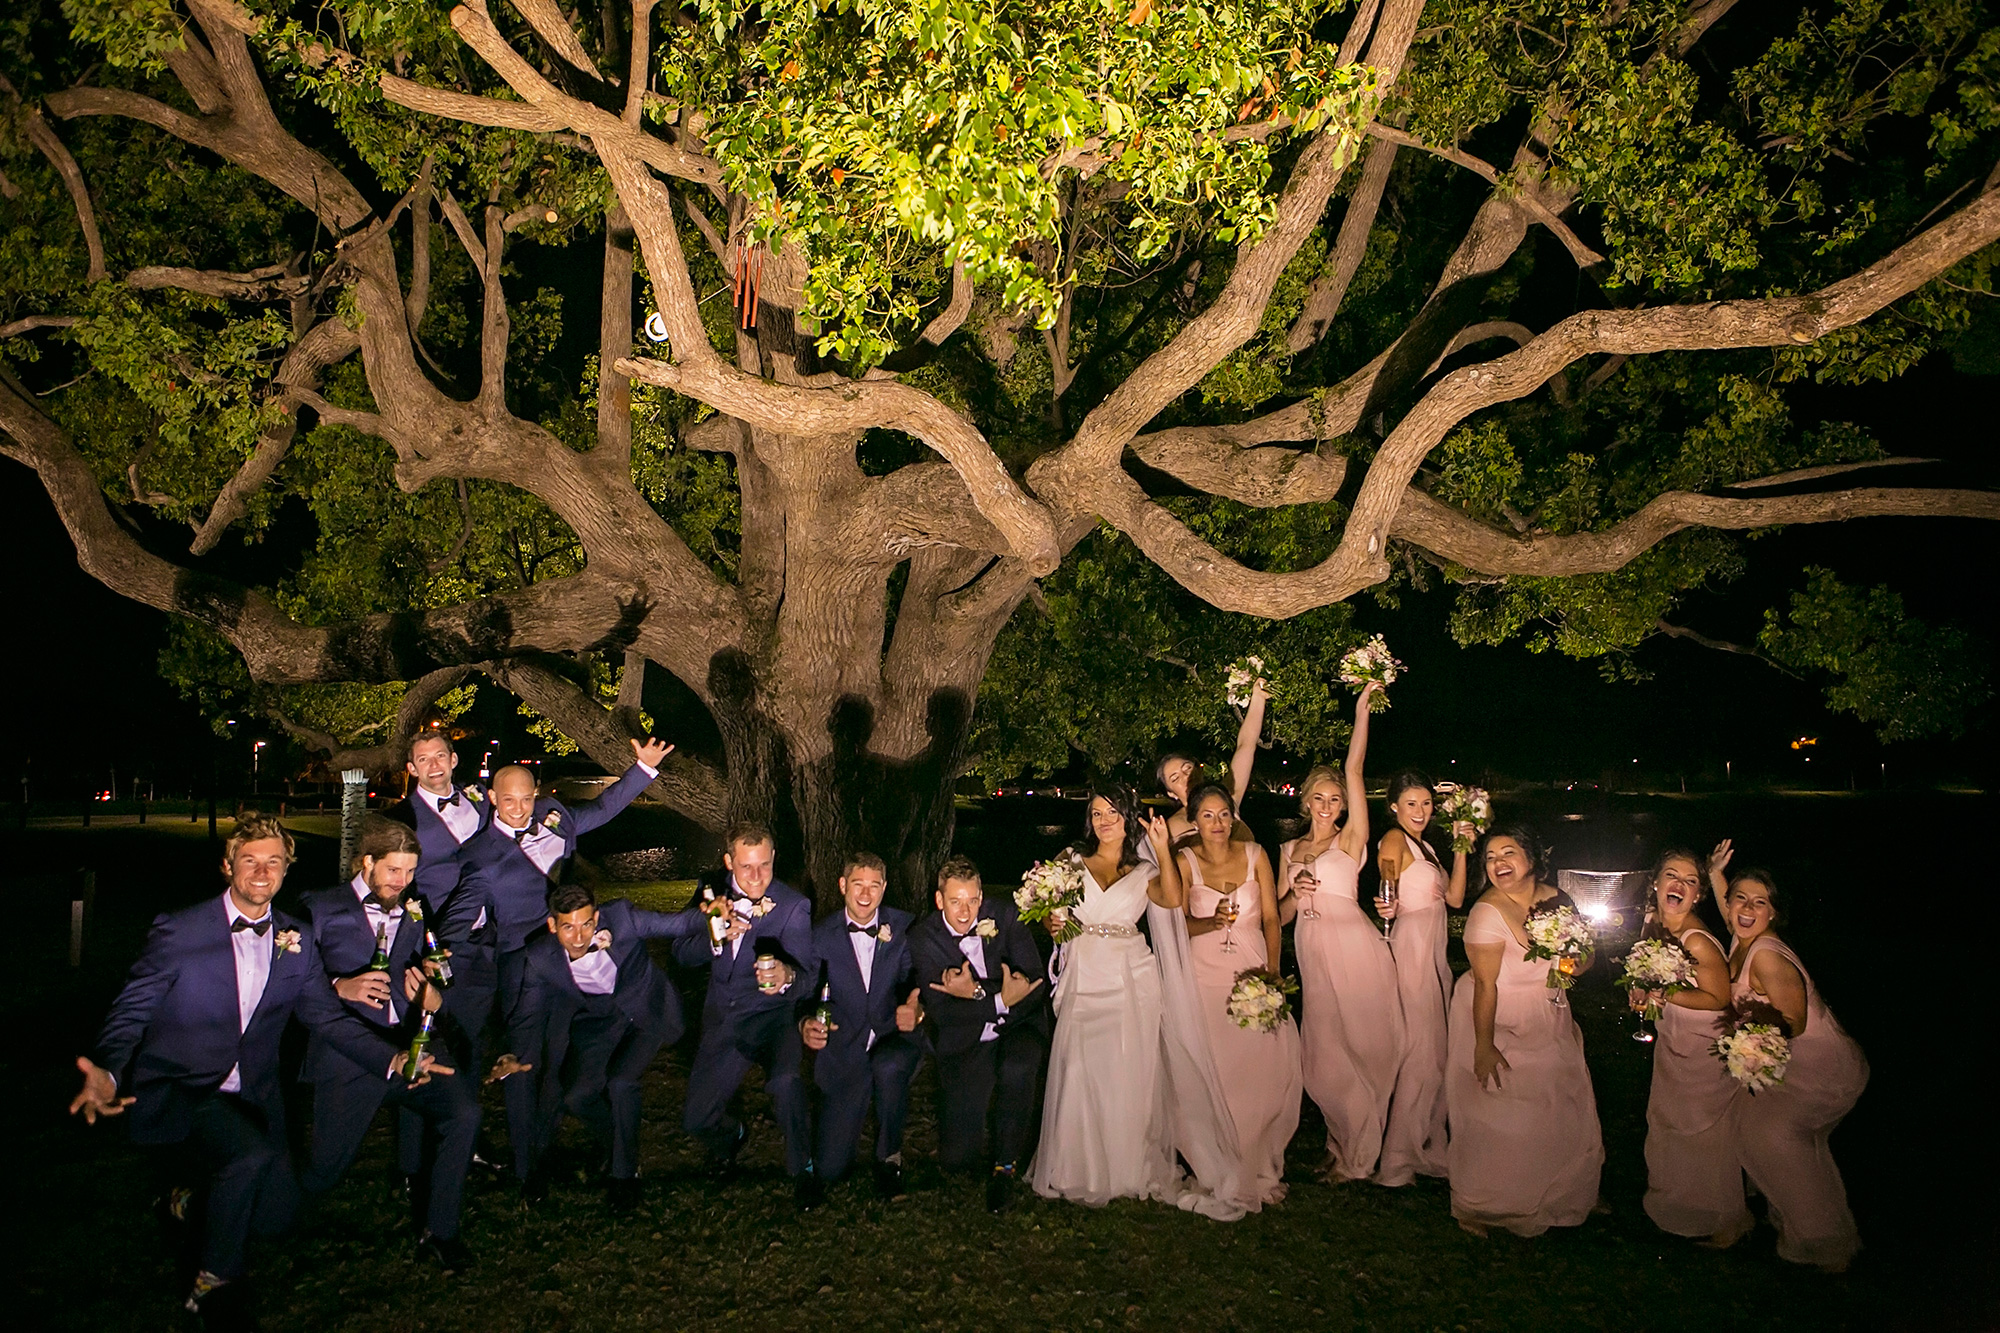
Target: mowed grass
<point x="88" y="1254"/>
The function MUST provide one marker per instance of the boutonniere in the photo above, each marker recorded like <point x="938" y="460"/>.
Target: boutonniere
<point x="551" y="820"/>
<point x="885" y="934"/>
<point x="601" y="940"/>
<point x="473" y="793"/>
<point x="285" y="941"/>
<point x="986" y="928"/>
<point x="761" y="907"/>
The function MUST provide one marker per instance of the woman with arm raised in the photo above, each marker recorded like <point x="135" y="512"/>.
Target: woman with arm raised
<point x="1351" y="1023"/>
<point x="1422" y="893"/>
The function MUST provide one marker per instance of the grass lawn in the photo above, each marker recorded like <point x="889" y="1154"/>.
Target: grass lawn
<point x="699" y="1256"/>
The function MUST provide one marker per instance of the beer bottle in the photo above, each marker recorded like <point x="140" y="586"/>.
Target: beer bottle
<point x="440" y="961"/>
<point x="415" y="1060"/>
<point x="380" y="962"/>
<point x="823" y="1011"/>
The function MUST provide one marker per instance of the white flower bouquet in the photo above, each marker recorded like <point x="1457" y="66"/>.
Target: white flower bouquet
<point x="1564" y="937"/>
<point x="1657" y="965"/>
<point x="1244" y="674"/>
<point x="1257" y="1000"/>
<point x="1755" y="1052"/>
<point x="1465" y="805"/>
<point x="1371" y="664"/>
<point x="1050" y="893"/>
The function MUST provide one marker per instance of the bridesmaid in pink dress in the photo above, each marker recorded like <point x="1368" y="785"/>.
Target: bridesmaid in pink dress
<point x="1526" y="1150"/>
<point x="1781" y="1133"/>
<point x="1352" y="1021"/>
<point x="1232" y="922"/>
<point x="1414" y="1140"/>
<point x="1693" y="1185"/>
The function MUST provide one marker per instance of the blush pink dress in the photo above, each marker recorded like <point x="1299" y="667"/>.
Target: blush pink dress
<point x="1781" y="1133"/>
<point x="1693" y="1185"/>
<point x="1525" y="1155"/>
<point x="1414" y="1140"/>
<point x="1260" y="1071"/>
<point x="1351" y="1021"/>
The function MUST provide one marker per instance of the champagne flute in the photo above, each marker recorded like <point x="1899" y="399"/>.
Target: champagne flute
<point x="1388" y="895"/>
<point x="1305" y="884"/>
<point x="1226" y="907"/>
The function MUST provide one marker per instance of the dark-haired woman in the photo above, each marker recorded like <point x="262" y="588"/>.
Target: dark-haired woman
<point x="1178" y="775"/>
<point x="1693" y="1185"/>
<point x="1414" y="1140"/>
<point x="1781" y="1133"/>
<point x="1526" y="1149"/>
<point x="1232" y="922"/>
<point x="1103" y="1136"/>
<point x="1351" y="1020"/>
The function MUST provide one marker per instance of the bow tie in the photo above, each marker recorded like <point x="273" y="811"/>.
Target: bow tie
<point x="255" y="927"/>
<point x="375" y="905"/>
<point x="853" y="929"/>
<point x="523" y="835"/>
<point x="444" y="801"/>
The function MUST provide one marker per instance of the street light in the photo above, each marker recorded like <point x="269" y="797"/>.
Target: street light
<point x="256" y="754"/>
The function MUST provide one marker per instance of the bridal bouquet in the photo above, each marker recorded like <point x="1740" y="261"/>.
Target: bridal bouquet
<point x="1755" y="1051"/>
<point x="1257" y="1000"/>
<point x="1371" y="664"/>
<point x="1561" y="935"/>
<point x="1050" y="892"/>
<point x="1660" y="965"/>
<point x="1243" y="675"/>
<point x="1465" y="805"/>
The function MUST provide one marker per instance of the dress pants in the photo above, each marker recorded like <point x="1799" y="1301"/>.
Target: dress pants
<point x="727" y="1050"/>
<point x="448" y="1107"/>
<point x="881" y="1076"/>
<point x="250" y="1187"/>
<point x="608" y="1057"/>
<point x="1005" y="1075"/>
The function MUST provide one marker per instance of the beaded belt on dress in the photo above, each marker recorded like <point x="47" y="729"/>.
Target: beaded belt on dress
<point x="1110" y="931"/>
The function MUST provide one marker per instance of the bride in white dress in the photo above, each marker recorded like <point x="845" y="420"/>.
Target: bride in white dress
<point x="1105" y="1131"/>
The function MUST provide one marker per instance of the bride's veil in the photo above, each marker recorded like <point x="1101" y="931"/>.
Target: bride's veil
<point x="1194" y="1108"/>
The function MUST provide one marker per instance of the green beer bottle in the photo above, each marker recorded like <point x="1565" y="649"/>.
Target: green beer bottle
<point x="415" y="1060"/>
<point x="440" y="961"/>
<point x="823" y="1011"/>
<point x="380" y="962"/>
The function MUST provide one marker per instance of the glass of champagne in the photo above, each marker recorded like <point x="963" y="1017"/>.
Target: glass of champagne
<point x="1225" y="907"/>
<point x="1305" y="884"/>
<point x="1388" y="895"/>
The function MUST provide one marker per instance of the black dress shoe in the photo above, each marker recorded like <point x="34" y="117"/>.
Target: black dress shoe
<point x="624" y="1195"/>
<point x="451" y="1254"/>
<point x="999" y="1189"/>
<point x="535" y="1188"/>
<point x="226" y="1309"/>
<point x="807" y="1191"/>
<point x="722" y="1165"/>
<point x="889" y="1180"/>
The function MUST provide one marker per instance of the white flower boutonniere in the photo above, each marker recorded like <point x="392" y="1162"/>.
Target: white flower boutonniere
<point x="286" y="941"/>
<point x="987" y="928"/>
<point x="761" y="907"/>
<point x="601" y="940"/>
<point x="885" y="934"/>
<point x="551" y="820"/>
<point x="473" y="793"/>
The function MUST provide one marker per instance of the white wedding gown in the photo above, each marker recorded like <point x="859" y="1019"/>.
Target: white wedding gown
<point x="1105" y="1131"/>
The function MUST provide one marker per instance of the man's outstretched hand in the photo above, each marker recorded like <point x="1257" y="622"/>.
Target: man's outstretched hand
<point x="651" y="752"/>
<point x="99" y="1095"/>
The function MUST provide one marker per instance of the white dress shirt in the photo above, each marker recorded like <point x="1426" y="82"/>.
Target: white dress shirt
<point x="460" y="816"/>
<point x="544" y="847"/>
<point x="595" y="973"/>
<point x="378" y="919"/>
<point x="253" y="972"/>
<point x="974" y="950"/>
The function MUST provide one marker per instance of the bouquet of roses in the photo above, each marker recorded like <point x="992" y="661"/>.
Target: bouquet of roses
<point x="1050" y="892"/>
<point x="1660" y="965"/>
<point x="1562" y="935"/>
<point x="1465" y="805"/>
<point x="1371" y="664"/>
<point x="1244" y="673"/>
<point x="1257" y="1000"/>
<point x="1754" y="1047"/>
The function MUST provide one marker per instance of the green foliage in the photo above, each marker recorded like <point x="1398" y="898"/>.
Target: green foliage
<point x="601" y="681"/>
<point x="1892" y="670"/>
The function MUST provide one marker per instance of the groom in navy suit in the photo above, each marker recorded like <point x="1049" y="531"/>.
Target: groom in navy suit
<point x="593" y="1013"/>
<point x="191" y="1051"/>
<point x="989" y="1019"/>
<point x="444" y="815"/>
<point x="362" y="1022"/>
<point x="503" y="903"/>
<point x="870" y="1049"/>
<point x="752" y="933"/>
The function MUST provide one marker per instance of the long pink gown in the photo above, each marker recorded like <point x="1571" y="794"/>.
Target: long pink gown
<point x="1260" y="1071"/>
<point x="1414" y="1140"/>
<point x="1525" y="1155"/>
<point x="1781" y="1133"/>
<point x="1351" y="1025"/>
<point x="1693" y="1185"/>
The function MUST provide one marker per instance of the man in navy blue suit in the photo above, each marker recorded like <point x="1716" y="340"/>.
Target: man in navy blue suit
<point x="989" y="1020"/>
<point x="443" y="814"/>
<point x="869" y="1051"/>
<point x="191" y="1050"/>
<point x="362" y="1022"/>
<point x="504" y="902"/>
<point x="751" y="932"/>
<point x="593" y="1013"/>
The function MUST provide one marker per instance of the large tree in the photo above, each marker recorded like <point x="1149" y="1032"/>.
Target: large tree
<point x="936" y="294"/>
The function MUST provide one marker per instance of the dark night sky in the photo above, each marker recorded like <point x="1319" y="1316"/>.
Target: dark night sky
<point x="85" y="696"/>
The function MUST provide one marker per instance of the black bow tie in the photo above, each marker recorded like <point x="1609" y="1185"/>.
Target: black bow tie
<point x="255" y="927"/>
<point x="375" y="905"/>
<point x="853" y="929"/>
<point x="444" y="801"/>
<point x="523" y="835"/>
